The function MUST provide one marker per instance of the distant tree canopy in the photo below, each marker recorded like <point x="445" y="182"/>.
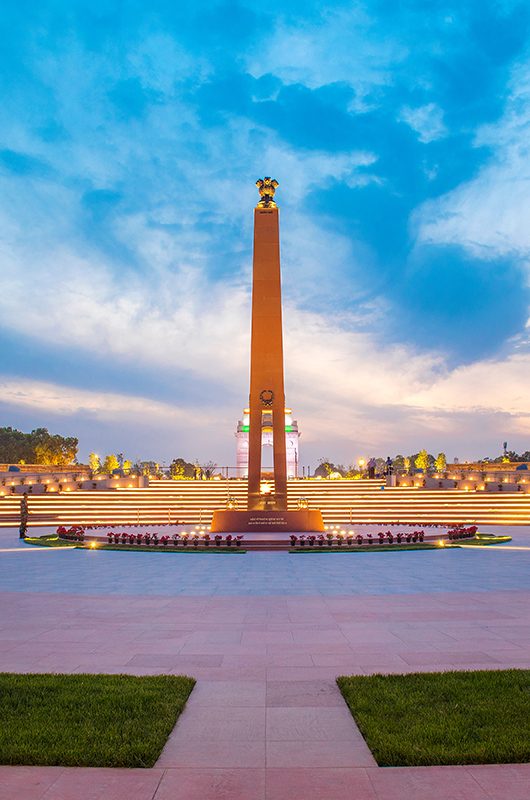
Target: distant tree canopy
<point x="440" y="462"/>
<point x="110" y="464"/>
<point x="37" y="447"/>
<point x="181" y="470"/>
<point x="208" y="469"/>
<point x="94" y="462"/>
<point x="325" y="468"/>
<point x="422" y="460"/>
<point x="148" y="469"/>
<point x="398" y="464"/>
<point x="510" y="455"/>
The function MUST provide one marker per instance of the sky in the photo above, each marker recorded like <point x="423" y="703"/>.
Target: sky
<point x="131" y="137"/>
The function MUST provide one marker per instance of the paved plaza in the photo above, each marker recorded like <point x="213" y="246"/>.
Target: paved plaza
<point x="265" y="635"/>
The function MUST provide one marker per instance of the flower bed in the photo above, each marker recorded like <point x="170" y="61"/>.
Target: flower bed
<point x="132" y="539"/>
<point x="349" y="540"/>
<point x="459" y="532"/>
<point x="74" y="534"/>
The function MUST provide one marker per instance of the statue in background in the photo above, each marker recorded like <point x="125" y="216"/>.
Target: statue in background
<point x="24" y="514"/>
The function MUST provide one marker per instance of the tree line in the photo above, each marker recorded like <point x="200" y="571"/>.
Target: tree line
<point x="38" y="447"/>
<point x="179" y="469"/>
<point x="42" y="447"/>
<point x="421" y="460"/>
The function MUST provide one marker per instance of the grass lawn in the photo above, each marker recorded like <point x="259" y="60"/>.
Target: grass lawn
<point x="88" y="720"/>
<point x="480" y="540"/>
<point x="49" y="540"/>
<point x="480" y="717"/>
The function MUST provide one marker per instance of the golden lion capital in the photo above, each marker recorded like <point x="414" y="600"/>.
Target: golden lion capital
<point x="266" y="189"/>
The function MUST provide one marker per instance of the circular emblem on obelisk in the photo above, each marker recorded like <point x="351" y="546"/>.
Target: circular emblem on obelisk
<point x="266" y="397"/>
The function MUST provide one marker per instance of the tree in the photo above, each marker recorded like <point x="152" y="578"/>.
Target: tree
<point x="181" y="470"/>
<point x="422" y="460"/>
<point x="148" y="469"/>
<point x="127" y="466"/>
<point x="176" y="469"/>
<point x="37" y="447"/>
<point x="325" y="468"/>
<point x="14" y="446"/>
<point x="380" y="466"/>
<point x="208" y="469"/>
<point x="440" y="463"/>
<point x="110" y="464"/>
<point x="94" y="463"/>
<point x="406" y="463"/>
<point x="398" y="464"/>
<point x="53" y="449"/>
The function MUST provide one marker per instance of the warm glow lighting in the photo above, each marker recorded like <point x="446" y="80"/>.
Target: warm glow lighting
<point x="93" y="545"/>
<point x="265" y="488"/>
<point x="441" y="543"/>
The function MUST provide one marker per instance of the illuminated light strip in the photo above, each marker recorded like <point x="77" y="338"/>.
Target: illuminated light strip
<point x="337" y="500"/>
<point x="34" y="549"/>
<point x="505" y="548"/>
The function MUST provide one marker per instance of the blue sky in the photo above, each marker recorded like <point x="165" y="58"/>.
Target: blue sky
<point x="131" y="136"/>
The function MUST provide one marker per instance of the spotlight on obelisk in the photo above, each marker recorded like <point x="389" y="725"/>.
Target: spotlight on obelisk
<point x="267" y="503"/>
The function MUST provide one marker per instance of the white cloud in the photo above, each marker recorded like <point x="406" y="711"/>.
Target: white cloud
<point x="486" y="385"/>
<point x="168" y="323"/>
<point x="489" y="214"/>
<point x="320" y="53"/>
<point x="55" y="399"/>
<point x="349" y="395"/>
<point x="426" y="120"/>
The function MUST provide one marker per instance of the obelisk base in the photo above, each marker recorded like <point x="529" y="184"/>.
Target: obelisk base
<point x="305" y="520"/>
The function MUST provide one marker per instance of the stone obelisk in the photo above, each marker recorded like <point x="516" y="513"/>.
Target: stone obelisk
<point x="267" y="394"/>
<point x="266" y="511"/>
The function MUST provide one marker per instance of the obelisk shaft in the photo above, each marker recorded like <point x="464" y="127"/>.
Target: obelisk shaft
<point x="266" y="359"/>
